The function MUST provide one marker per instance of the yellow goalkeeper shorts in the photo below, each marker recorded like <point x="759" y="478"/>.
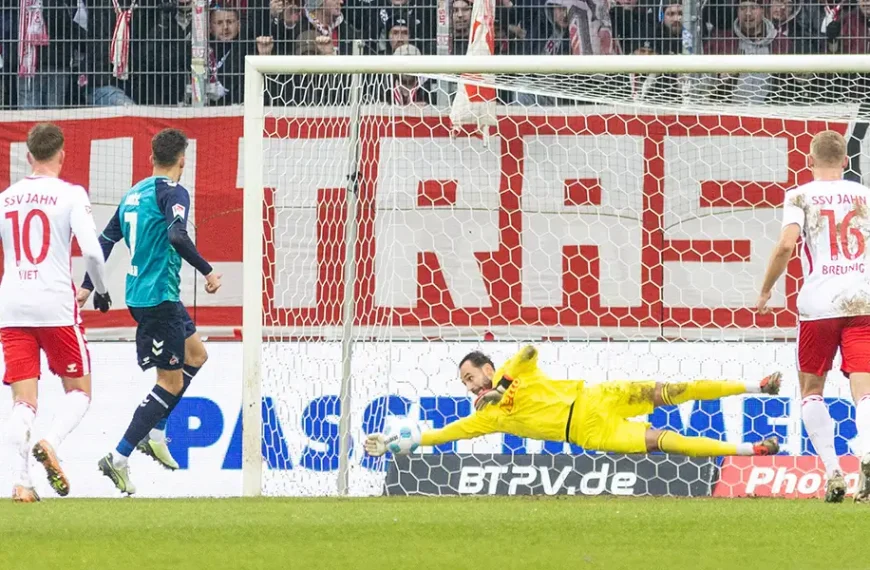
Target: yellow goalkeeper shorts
<point x="599" y="419"/>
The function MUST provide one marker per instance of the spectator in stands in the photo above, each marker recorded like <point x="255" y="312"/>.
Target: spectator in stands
<point x="50" y="36"/>
<point x="100" y="82"/>
<point x="393" y="34"/>
<point x="669" y="36"/>
<point x="406" y="90"/>
<point x="324" y="31"/>
<point x="326" y="19"/>
<point x="8" y="57"/>
<point x="751" y="34"/>
<point x="799" y="22"/>
<point x="558" y="43"/>
<point x="362" y="15"/>
<point x="163" y="56"/>
<point x="854" y="29"/>
<point x="633" y="25"/>
<point x="226" y="56"/>
<point x="460" y="26"/>
<point x="281" y="29"/>
<point x="415" y="31"/>
<point x="666" y="40"/>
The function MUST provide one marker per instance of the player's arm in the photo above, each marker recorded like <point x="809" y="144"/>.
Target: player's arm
<point x="107" y="240"/>
<point x="174" y="202"/>
<point x="85" y="231"/>
<point x="475" y="425"/>
<point x="792" y="224"/>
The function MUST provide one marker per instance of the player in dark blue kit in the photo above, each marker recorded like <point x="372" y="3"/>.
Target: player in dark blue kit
<point x="152" y="220"/>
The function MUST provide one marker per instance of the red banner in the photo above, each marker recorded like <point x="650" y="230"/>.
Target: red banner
<point x="617" y="222"/>
<point x="793" y="477"/>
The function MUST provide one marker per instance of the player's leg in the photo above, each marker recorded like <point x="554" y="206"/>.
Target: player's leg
<point x="673" y="393"/>
<point x="195" y="356"/>
<point x="67" y="352"/>
<point x="21" y="356"/>
<point x="673" y="442"/>
<point x="630" y="399"/>
<point x="155" y="444"/>
<point x="855" y="350"/>
<point x="816" y="346"/>
<point x="160" y="345"/>
<point x="614" y="402"/>
<point x="619" y="435"/>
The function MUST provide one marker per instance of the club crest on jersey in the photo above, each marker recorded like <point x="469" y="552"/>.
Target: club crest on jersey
<point x="178" y="211"/>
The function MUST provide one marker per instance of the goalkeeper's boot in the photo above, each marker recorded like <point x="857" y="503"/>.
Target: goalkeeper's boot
<point x="862" y="495"/>
<point x="769" y="446"/>
<point x="770" y="384"/>
<point x="120" y="476"/>
<point x="22" y="494"/>
<point x="158" y="451"/>
<point x="835" y="488"/>
<point x="44" y="453"/>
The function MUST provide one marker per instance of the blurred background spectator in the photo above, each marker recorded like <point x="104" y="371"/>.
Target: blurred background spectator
<point x="163" y="53"/>
<point x="750" y="34"/>
<point x="56" y="53"/>
<point x="226" y="56"/>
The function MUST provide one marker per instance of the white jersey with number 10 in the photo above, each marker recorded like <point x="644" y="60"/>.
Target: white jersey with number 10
<point x="38" y="218"/>
<point x="834" y="217"/>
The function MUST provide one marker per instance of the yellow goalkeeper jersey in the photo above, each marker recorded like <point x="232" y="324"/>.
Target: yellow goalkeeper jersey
<point x="534" y="406"/>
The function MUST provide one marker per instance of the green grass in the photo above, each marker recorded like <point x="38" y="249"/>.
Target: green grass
<point x="422" y="534"/>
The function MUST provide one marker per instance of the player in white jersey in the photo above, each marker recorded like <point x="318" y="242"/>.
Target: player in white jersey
<point x="38" y="311"/>
<point x="832" y="218"/>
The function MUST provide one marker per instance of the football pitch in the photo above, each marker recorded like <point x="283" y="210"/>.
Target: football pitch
<point x="424" y="533"/>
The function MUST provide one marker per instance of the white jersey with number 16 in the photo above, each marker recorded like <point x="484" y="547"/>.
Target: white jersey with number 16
<point x="38" y="218"/>
<point x="834" y="217"/>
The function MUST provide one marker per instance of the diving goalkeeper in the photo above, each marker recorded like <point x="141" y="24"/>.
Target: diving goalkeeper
<point x="520" y="399"/>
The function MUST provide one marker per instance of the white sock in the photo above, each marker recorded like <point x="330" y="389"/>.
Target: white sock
<point x="820" y="428"/>
<point x="75" y="405"/>
<point x="118" y="460"/>
<point x="157" y="435"/>
<point x="862" y="422"/>
<point x="745" y="449"/>
<point x="753" y="387"/>
<point x="19" y="427"/>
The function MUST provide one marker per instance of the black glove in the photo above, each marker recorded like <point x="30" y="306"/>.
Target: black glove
<point x="832" y="32"/>
<point x="102" y="302"/>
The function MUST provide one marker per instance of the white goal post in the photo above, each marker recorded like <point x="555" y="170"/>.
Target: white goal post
<point x="625" y="313"/>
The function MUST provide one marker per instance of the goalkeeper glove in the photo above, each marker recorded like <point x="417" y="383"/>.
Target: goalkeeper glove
<point x="376" y="444"/>
<point x="102" y="302"/>
<point x="489" y="397"/>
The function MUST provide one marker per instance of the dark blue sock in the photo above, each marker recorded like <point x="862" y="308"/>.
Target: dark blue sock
<point x="146" y="416"/>
<point x="189" y="372"/>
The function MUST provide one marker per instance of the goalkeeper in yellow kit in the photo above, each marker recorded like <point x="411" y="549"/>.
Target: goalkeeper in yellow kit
<point x="520" y="399"/>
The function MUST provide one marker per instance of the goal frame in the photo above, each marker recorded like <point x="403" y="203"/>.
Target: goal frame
<point x="253" y="194"/>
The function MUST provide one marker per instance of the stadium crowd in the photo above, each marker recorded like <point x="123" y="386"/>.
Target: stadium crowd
<point x="58" y="53"/>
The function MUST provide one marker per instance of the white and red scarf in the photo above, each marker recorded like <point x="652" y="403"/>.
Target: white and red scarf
<point x="32" y="34"/>
<point x="326" y="30"/>
<point x="119" y="52"/>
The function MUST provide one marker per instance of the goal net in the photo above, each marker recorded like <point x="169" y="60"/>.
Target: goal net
<point x="617" y="212"/>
